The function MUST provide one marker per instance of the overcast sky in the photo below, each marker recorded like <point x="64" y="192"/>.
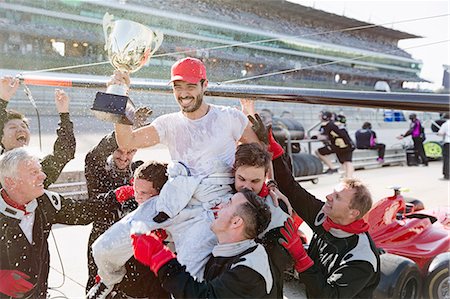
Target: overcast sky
<point x="380" y="12"/>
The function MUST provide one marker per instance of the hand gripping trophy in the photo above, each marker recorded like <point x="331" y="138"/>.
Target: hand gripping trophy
<point x="130" y="45"/>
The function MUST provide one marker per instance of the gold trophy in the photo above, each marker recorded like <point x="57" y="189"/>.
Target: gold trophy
<point x="130" y="45"/>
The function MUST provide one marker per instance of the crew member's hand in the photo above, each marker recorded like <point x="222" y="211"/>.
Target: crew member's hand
<point x="277" y="195"/>
<point x="294" y="245"/>
<point x="124" y="193"/>
<point x="119" y="78"/>
<point x="274" y="147"/>
<point x="62" y="101"/>
<point x="150" y="251"/>
<point x="8" y="87"/>
<point x="14" y="283"/>
<point x="248" y="106"/>
<point x="400" y="137"/>
<point x="140" y="116"/>
<point x="259" y="128"/>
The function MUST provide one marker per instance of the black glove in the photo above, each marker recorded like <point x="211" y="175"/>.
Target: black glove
<point x="259" y="128"/>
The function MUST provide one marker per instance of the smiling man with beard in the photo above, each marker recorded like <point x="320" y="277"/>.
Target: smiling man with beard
<point x="15" y="130"/>
<point x="199" y="133"/>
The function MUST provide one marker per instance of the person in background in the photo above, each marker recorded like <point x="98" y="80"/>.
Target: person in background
<point x="366" y="138"/>
<point x="238" y="267"/>
<point x="340" y="144"/>
<point x="417" y="133"/>
<point x="444" y="131"/>
<point x="15" y="130"/>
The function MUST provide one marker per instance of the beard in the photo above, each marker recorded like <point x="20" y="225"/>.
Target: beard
<point x="194" y="106"/>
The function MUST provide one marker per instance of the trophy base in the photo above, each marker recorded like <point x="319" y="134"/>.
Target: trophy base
<point x="113" y="108"/>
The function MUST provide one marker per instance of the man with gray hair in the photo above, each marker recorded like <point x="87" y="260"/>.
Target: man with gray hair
<point x="27" y="213"/>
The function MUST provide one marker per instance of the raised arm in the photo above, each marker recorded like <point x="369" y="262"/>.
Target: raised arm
<point x="127" y="138"/>
<point x="8" y="87"/>
<point x="65" y="144"/>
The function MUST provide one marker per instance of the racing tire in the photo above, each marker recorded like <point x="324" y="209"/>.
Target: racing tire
<point x="400" y="278"/>
<point x="437" y="282"/>
<point x="433" y="150"/>
<point x="299" y="168"/>
<point x="295" y="128"/>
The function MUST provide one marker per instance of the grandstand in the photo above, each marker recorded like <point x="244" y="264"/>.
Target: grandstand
<point x="296" y="37"/>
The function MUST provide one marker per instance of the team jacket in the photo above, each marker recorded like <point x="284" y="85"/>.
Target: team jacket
<point x="339" y="138"/>
<point x="243" y="275"/>
<point x="16" y="252"/>
<point x="345" y="265"/>
<point x="63" y="148"/>
<point x="101" y="178"/>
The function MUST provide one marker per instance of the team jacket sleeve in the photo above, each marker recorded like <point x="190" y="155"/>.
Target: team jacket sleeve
<point x="346" y="282"/>
<point x="63" y="150"/>
<point x="304" y="203"/>
<point x="3" y="105"/>
<point x="81" y="212"/>
<point x="95" y="162"/>
<point x="239" y="282"/>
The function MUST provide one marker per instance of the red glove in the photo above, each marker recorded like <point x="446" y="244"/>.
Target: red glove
<point x="124" y="193"/>
<point x="274" y="147"/>
<point x="149" y="250"/>
<point x="14" y="283"/>
<point x="294" y="245"/>
<point x="160" y="233"/>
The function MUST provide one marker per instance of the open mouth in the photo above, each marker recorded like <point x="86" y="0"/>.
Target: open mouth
<point x="186" y="101"/>
<point x="22" y="139"/>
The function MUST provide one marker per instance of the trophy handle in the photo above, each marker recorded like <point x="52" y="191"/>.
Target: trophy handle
<point x="108" y="26"/>
<point x="158" y="39"/>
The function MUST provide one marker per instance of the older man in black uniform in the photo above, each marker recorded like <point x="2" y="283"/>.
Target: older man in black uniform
<point x="27" y="213"/>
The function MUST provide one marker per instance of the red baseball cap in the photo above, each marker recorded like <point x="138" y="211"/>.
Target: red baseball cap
<point x="188" y="69"/>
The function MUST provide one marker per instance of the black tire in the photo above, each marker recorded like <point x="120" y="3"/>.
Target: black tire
<point x="309" y="159"/>
<point x="296" y="130"/>
<point x="318" y="164"/>
<point x="305" y="165"/>
<point x="299" y="166"/>
<point x="400" y="278"/>
<point x="437" y="282"/>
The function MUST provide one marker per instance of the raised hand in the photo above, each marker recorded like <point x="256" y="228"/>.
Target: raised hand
<point x="259" y="128"/>
<point x="140" y="116"/>
<point x="62" y="101"/>
<point x="8" y="87"/>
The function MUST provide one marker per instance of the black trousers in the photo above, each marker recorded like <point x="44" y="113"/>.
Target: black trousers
<point x="446" y="160"/>
<point x="419" y="151"/>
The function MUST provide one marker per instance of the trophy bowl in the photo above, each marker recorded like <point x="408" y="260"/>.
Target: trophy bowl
<point x="129" y="46"/>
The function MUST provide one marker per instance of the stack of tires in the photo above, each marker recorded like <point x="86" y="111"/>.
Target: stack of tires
<point x="295" y="131"/>
<point x="306" y="165"/>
